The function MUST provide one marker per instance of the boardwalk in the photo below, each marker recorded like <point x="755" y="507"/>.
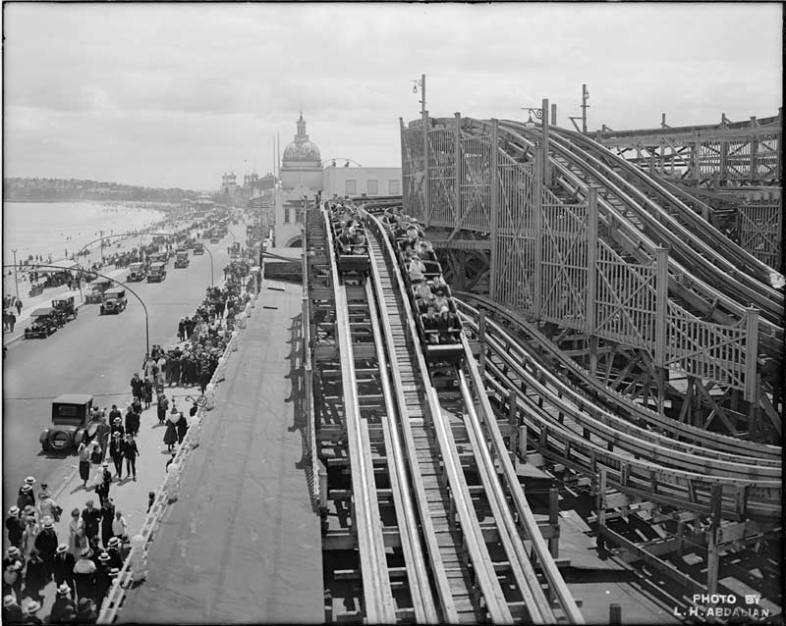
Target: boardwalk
<point x="242" y="544"/>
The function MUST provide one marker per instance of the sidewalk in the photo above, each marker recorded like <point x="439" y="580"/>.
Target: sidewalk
<point x="130" y="497"/>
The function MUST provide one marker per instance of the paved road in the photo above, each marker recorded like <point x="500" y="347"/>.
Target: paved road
<point x="92" y="354"/>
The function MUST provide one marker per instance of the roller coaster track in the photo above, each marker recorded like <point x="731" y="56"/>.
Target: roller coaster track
<point x="523" y="336"/>
<point x="579" y="432"/>
<point x="702" y="287"/>
<point x="682" y="222"/>
<point x="443" y="473"/>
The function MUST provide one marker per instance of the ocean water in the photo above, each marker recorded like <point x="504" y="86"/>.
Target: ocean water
<point x="61" y="228"/>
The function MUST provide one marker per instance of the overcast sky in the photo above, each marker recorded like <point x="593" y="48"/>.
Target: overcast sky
<point x="177" y="94"/>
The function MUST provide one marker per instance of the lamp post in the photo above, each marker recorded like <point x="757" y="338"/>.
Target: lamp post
<point x="210" y="254"/>
<point x="16" y="278"/>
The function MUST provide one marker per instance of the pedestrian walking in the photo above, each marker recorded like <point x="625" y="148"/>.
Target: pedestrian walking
<point x="62" y="604"/>
<point x="76" y="533"/>
<point x="18" y="306"/>
<point x="147" y="390"/>
<point x="12" y="578"/>
<point x="162" y="406"/>
<point x="95" y="453"/>
<point x="84" y="575"/>
<point x="11" y="321"/>
<point x="46" y="543"/>
<point x="84" y="463"/>
<point x="29" y="535"/>
<point x="102" y="577"/>
<point x="130" y="452"/>
<point x="91" y="516"/>
<point x="182" y="427"/>
<point x="36" y="575"/>
<point x="119" y="525"/>
<point x="107" y="519"/>
<point x="136" y="386"/>
<point x="47" y="507"/>
<point x="26" y="497"/>
<point x="31" y="611"/>
<point x="116" y="427"/>
<point x="116" y="453"/>
<point x="132" y="421"/>
<point x="63" y="566"/>
<point x="15" y="526"/>
<point x="170" y="436"/>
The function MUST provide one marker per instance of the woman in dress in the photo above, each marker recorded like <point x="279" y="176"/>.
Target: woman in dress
<point x="76" y="537"/>
<point x="84" y="463"/>
<point x="170" y="436"/>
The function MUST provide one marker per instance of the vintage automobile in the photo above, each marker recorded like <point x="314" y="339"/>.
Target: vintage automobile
<point x="70" y="417"/>
<point x="65" y="308"/>
<point x="136" y="272"/>
<point x="182" y="259"/>
<point x="44" y="323"/>
<point x="114" y="300"/>
<point x="158" y="257"/>
<point x="156" y="273"/>
<point x="199" y="248"/>
<point x="97" y="291"/>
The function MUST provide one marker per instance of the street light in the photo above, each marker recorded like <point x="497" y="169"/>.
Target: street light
<point x="210" y="254"/>
<point x="16" y="278"/>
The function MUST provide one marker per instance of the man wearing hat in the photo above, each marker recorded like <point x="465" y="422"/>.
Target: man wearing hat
<point x="107" y="517"/>
<point x="46" y="543"/>
<point x="62" y="601"/>
<point x="116" y="427"/>
<point x="15" y="526"/>
<point x="63" y="566"/>
<point x="132" y="420"/>
<point x="12" y="612"/>
<point x="84" y="575"/>
<point x="114" y="414"/>
<point x="113" y="550"/>
<point x="91" y="516"/>
<point x="36" y="575"/>
<point x="26" y="496"/>
<point x="130" y="452"/>
<point x="116" y="453"/>
<point x="30" y="613"/>
<point x="104" y="481"/>
<point x="102" y="577"/>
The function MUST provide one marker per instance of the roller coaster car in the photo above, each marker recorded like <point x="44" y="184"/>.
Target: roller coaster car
<point x="441" y="343"/>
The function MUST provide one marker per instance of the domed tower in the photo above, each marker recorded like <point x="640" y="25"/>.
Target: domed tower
<point x="301" y="164"/>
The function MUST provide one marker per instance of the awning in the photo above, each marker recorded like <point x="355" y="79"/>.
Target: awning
<point x="58" y="266"/>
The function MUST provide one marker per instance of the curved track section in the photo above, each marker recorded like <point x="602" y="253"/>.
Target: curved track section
<point x="575" y="430"/>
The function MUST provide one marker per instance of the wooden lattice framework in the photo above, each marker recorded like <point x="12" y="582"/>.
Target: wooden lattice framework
<point x="722" y="155"/>
<point x="547" y="261"/>
<point x="759" y="228"/>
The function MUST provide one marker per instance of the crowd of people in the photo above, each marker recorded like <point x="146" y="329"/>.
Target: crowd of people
<point x="11" y="304"/>
<point x="83" y="565"/>
<point x="431" y="293"/>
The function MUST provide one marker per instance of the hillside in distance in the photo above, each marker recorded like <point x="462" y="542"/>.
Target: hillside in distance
<point x="62" y="190"/>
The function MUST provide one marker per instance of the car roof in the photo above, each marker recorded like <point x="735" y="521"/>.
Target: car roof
<point x="158" y="263"/>
<point x="114" y="290"/>
<point x="74" y="398"/>
<point x="43" y="311"/>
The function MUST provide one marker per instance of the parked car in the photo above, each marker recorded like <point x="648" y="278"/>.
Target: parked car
<point x="182" y="259"/>
<point x="44" y="323"/>
<point x="65" y="308"/>
<point x="97" y="291"/>
<point x="199" y="247"/>
<point x="156" y="272"/>
<point x="136" y="272"/>
<point x="70" y="417"/>
<point x="114" y="300"/>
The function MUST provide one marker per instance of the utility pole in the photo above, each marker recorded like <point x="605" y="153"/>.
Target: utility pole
<point x="423" y="95"/>
<point x="584" y="107"/>
<point x="101" y="232"/>
<point x="16" y="279"/>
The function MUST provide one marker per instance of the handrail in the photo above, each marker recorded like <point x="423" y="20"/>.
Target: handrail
<point x="417" y="575"/>
<point x="379" y="606"/>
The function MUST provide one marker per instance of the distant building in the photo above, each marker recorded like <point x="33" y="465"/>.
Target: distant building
<point x="361" y="181"/>
<point x="229" y="184"/>
<point x="301" y="165"/>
